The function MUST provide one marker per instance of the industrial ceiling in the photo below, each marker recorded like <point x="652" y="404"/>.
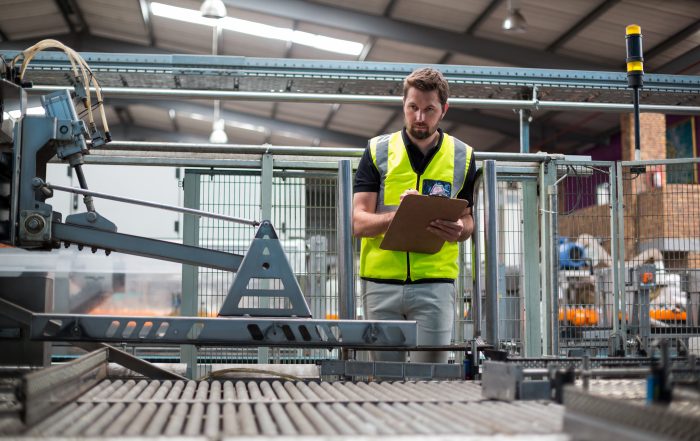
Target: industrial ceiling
<point x="577" y="35"/>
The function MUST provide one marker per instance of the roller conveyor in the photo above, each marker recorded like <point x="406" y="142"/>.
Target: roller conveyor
<point x="217" y="409"/>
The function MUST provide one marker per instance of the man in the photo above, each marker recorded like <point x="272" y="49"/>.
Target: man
<point x="420" y="158"/>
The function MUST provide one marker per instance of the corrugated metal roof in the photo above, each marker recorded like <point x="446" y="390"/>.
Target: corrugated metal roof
<point x="601" y="41"/>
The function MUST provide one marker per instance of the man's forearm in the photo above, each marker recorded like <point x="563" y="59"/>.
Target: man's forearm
<point x="370" y="224"/>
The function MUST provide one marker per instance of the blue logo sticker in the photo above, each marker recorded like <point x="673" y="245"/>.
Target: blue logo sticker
<point x="437" y="188"/>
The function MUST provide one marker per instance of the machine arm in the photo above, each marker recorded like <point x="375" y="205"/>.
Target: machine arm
<point x="141" y="246"/>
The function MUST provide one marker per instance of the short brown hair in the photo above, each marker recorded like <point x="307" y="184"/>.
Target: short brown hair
<point x="427" y="79"/>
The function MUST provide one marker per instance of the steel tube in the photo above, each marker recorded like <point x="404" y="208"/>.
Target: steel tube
<point x="213" y="421"/>
<point x="554" y="269"/>
<point x="229" y="392"/>
<point x="189" y="390"/>
<point x="139" y="423"/>
<point x="334" y="419"/>
<point x="320" y="423"/>
<point x="57" y="422"/>
<point x="286" y="427"/>
<point x="491" y="238"/>
<point x="243" y="149"/>
<point x="215" y="391"/>
<point x="280" y="391"/>
<point x="476" y="259"/>
<point x="247" y="419"/>
<point x="475" y="103"/>
<point x="264" y="420"/>
<point x="346" y="261"/>
<point x="174" y="393"/>
<point x="524" y="118"/>
<point x="152" y="204"/>
<point x="160" y="419"/>
<point x="300" y="421"/>
<point x="122" y="422"/>
<point x="230" y="420"/>
<point x="177" y="420"/>
<point x="637" y="128"/>
<point x="248" y="149"/>
<point x="381" y="411"/>
<point x="194" y="419"/>
<point x="241" y="391"/>
<point x="98" y="425"/>
<point x="381" y="426"/>
<point x="150" y="390"/>
<point x="136" y="390"/>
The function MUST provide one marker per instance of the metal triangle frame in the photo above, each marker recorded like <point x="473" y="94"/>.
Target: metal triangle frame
<point x="265" y="261"/>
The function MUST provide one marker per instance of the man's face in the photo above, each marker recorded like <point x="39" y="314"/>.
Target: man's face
<point x="422" y="112"/>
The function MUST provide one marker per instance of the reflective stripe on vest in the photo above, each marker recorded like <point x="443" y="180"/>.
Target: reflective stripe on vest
<point x="448" y="165"/>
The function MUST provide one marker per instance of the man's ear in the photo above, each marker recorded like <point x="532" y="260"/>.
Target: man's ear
<point x="444" y="109"/>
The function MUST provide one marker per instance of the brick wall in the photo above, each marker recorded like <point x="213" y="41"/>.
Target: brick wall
<point x="652" y="209"/>
<point x="669" y="212"/>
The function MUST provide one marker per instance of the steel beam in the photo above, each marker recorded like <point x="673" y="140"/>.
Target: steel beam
<point x="307" y="131"/>
<point x="599" y="10"/>
<point x="412" y="33"/>
<point x="145" y="7"/>
<point x="84" y="42"/>
<point x="278" y="332"/>
<point x="486" y="13"/>
<point x="671" y="41"/>
<point x="682" y="63"/>
<point x="141" y="246"/>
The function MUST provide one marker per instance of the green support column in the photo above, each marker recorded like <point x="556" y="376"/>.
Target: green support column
<point x="531" y="271"/>
<point x="266" y="214"/>
<point x="548" y="175"/>
<point x="190" y="274"/>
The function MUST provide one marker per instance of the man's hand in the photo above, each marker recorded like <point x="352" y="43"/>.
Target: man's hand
<point x="453" y="231"/>
<point x="407" y="192"/>
<point x="447" y="230"/>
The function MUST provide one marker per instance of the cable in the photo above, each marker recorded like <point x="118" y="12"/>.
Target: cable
<point x="80" y="69"/>
<point x="222" y="372"/>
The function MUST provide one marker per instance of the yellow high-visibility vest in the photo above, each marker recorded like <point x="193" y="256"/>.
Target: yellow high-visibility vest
<point x="446" y="173"/>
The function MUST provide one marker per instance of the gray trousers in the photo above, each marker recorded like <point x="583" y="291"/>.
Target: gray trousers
<point x="431" y="305"/>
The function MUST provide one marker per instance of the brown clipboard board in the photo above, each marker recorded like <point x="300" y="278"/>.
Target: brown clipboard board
<point x="408" y="230"/>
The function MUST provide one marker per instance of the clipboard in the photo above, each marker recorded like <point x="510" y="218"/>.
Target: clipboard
<point x="407" y="231"/>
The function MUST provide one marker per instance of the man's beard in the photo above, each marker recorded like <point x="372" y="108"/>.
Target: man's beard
<point x="423" y="132"/>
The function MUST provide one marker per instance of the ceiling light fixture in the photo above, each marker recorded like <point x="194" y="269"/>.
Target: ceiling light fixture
<point x="218" y="134"/>
<point x="213" y="9"/>
<point x="322" y="42"/>
<point x="216" y="10"/>
<point x="514" y="21"/>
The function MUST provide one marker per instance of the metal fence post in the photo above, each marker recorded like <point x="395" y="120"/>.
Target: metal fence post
<point x="346" y="273"/>
<point x="190" y="274"/>
<point x="476" y="260"/>
<point x="346" y="262"/>
<point x="546" y="178"/>
<point x="531" y="270"/>
<point x="266" y="214"/>
<point x="525" y="116"/>
<point x="491" y="280"/>
<point x="554" y="263"/>
<point x="621" y="304"/>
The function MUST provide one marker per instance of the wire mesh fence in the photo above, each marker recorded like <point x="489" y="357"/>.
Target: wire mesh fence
<point x="657" y="229"/>
<point x="662" y="243"/>
<point x="511" y="304"/>
<point x="302" y="209"/>
<point x="602" y="305"/>
<point x="584" y="263"/>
